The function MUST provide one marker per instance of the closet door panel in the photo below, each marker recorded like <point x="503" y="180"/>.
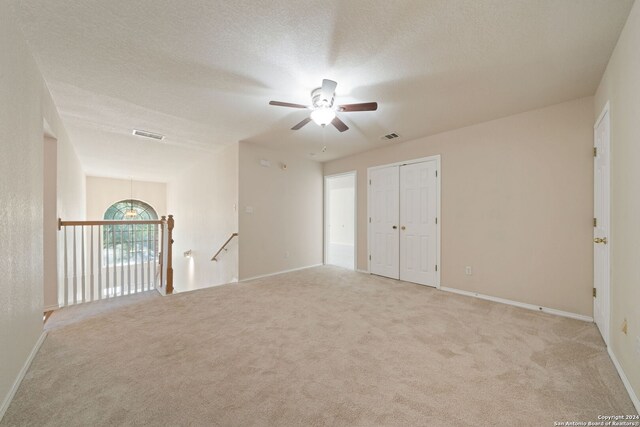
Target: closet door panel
<point x="384" y="211"/>
<point x="418" y="226"/>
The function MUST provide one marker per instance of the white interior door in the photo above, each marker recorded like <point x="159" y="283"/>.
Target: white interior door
<point x="418" y="223"/>
<point x="384" y="210"/>
<point x="601" y="273"/>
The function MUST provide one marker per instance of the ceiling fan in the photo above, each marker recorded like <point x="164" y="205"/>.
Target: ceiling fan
<point x="322" y="109"/>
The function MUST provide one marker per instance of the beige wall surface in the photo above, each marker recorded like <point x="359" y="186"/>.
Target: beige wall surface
<point x="70" y="203"/>
<point x="620" y="86"/>
<point x="25" y="105"/>
<point x="103" y="192"/>
<point x="280" y="212"/>
<point x="50" y="223"/>
<point x="516" y="204"/>
<point x="204" y="201"/>
<point x="71" y="189"/>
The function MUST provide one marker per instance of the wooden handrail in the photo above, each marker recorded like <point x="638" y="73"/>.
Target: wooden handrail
<point x="223" y="247"/>
<point x="62" y="223"/>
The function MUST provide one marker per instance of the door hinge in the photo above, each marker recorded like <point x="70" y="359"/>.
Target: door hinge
<point x="595" y="151"/>
<point x="369" y="219"/>
<point x="369" y="257"/>
<point x="436" y="267"/>
<point x="436" y="174"/>
<point x="369" y="182"/>
<point x="594" y="292"/>
<point x="595" y="222"/>
<point x="436" y="220"/>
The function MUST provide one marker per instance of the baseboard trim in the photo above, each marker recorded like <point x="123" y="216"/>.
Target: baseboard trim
<point x="362" y="271"/>
<point x="16" y="384"/>
<point x="625" y="380"/>
<point x="280" y="272"/>
<point x="520" y="304"/>
<point x="51" y="308"/>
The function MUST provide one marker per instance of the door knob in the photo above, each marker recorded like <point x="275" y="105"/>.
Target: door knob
<point x="403" y="227"/>
<point x="600" y="240"/>
<point x="395" y="227"/>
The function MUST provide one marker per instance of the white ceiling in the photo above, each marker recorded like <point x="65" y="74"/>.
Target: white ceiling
<point x="202" y="71"/>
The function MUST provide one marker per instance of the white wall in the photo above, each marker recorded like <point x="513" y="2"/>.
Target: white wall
<point x="203" y="200"/>
<point x="620" y="86"/>
<point x="280" y="213"/>
<point x="340" y="220"/>
<point x="67" y="195"/>
<point x="103" y="192"/>
<point x="71" y="190"/>
<point x="341" y="193"/>
<point x="517" y="204"/>
<point x="50" y="222"/>
<point x="25" y="105"/>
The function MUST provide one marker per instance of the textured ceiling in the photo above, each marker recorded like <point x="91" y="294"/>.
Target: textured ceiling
<point x="202" y="71"/>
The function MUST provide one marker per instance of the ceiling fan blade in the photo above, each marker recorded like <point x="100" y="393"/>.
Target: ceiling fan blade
<point x="365" y="106"/>
<point x="328" y="89"/>
<point x="287" y="104"/>
<point x="302" y="123"/>
<point x="339" y="124"/>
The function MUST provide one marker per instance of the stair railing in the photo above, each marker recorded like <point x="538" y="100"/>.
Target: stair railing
<point x="108" y="259"/>
<point x="224" y="247"/>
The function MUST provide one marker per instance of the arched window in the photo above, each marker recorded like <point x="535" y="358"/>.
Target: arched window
<point x="120" y="210"/>
<point x="130" y="243"/>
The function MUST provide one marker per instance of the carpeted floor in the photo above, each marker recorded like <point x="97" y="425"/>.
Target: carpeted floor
<point x="323" y="346"/>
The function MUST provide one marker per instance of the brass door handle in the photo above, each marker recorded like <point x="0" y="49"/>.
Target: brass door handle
<point x="395" y="227"/>
<point x="600" y="240"/>
<point x="403" y="227"/>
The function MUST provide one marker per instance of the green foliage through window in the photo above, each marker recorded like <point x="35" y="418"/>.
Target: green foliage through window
<point x="130" y="243"/>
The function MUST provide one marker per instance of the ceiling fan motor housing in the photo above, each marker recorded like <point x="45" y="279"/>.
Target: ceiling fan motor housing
<point x="318" y="101"/>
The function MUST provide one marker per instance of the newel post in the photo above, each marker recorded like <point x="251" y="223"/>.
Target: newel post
<point x="170" y="224"/>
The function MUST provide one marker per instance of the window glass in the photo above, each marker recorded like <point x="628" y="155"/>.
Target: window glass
<point x="130" y="243"/>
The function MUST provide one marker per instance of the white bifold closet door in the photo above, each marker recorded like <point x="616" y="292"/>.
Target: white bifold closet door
<point x="404" y="222"/>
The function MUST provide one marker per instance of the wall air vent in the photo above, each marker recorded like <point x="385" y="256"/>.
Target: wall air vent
<point x="391" y="135"/>
<point x="146" y="134"/>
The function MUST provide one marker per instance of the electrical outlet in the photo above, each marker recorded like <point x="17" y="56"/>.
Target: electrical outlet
<point x="467" y="270"/>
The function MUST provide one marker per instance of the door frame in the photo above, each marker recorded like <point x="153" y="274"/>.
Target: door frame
<point x="325" y="237"/>
<point x="435" y="158"/>
<point x="607" y="285"/>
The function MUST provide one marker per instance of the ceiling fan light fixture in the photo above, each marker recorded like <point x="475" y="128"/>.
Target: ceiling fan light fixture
<point x="322" y="109"/>
<point x="323" y="116"/>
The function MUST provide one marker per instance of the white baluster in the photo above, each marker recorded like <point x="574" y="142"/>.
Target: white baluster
<point x="66" y="269"/>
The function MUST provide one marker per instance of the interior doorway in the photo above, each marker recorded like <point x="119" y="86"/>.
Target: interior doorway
<point x="340" y="220"/>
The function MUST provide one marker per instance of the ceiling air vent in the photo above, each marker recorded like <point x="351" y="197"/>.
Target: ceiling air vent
<point x="146" y="134"/>
<point x="391" y="135"/>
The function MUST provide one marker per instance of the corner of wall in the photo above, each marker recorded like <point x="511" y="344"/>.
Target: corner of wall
<point x="620" y="87"/>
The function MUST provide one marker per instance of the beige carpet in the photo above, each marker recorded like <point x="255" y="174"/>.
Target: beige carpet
<point x="322" y="346"/>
